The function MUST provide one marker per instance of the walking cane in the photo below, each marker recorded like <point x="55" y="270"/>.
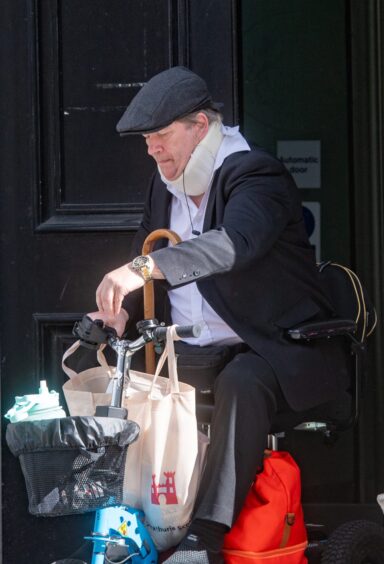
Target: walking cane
<point x="148" y="291"/>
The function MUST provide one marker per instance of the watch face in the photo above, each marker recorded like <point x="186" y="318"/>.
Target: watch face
<point x="142" y="264"/>
<point x="141" y="261"/>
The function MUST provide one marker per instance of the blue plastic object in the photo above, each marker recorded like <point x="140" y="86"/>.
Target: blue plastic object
<point x="122" y="525"/>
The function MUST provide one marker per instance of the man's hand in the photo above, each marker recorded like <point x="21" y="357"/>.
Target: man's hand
<point x="118" y="323"/>
<point x="113" y="287"/>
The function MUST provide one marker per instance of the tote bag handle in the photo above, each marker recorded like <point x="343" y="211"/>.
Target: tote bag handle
<point x="73" y="348"/>
<point x="169" y="352"/>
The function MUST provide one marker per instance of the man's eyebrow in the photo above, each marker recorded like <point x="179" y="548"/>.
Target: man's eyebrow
<point x="160" y="132"/>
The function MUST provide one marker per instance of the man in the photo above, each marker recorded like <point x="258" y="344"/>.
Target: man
<point x="245" y="271"/>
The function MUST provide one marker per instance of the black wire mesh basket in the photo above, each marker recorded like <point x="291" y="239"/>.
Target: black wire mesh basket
<point x="74" y="464"/>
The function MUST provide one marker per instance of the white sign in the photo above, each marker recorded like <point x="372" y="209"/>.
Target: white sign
<point x="302" y="159"/>
<point x="311" y="212"/>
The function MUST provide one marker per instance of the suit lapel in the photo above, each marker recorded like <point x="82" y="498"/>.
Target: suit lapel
<point x="210" y="209"/>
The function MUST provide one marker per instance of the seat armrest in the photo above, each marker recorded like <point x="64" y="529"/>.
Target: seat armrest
<point x="323" y="329"/>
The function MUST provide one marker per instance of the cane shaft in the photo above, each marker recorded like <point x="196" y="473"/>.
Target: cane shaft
<point x="148" y="290"/>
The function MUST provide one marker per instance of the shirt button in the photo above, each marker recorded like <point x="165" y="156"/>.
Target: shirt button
<point x="184" y="275"/>
<point x="196" y="273"/>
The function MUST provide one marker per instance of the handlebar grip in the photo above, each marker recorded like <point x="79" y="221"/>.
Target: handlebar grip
<point x="182" y="331"/>
<point x="185" y="331"/>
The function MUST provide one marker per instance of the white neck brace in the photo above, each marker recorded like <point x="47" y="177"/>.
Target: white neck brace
<point x="197" y="175"/>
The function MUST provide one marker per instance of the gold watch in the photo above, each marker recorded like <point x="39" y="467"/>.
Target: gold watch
<point x="144" y="266"/>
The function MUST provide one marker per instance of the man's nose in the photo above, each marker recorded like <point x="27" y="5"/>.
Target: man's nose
<point x="153" y="147"/>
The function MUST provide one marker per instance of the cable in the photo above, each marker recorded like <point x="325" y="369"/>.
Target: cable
<point x="120" y="561"/>
<point x="361" y="305"/>
<point x="194" y="231"/>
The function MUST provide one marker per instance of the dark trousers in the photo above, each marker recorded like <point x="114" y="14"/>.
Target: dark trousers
<point x="247" y="396"/>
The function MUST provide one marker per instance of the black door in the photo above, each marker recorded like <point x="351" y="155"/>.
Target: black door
<point x="72" y="190"/>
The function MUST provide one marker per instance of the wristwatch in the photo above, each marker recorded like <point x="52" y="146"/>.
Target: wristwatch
<point x="144" y="266"/>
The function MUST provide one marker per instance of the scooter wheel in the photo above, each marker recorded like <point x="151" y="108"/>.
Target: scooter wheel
<point x="355" y="542"/>
<point x="69" y="561"/>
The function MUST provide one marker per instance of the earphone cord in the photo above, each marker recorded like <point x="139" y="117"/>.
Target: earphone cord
<point x="189" y="211"/>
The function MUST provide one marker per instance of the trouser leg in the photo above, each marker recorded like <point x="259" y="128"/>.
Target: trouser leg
<point x="247" y="396"/>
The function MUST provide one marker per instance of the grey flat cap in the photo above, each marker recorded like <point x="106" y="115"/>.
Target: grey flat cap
<point x="169" y="95"/>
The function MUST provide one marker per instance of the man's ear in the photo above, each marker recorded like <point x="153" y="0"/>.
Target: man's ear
<point x="202" y="123"/>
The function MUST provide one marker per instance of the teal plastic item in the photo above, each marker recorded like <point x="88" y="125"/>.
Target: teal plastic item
<point x="122" y="525"/>
<point x="31" y="407"/>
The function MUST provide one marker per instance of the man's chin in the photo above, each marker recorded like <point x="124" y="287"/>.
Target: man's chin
<point x="168" y="175"/>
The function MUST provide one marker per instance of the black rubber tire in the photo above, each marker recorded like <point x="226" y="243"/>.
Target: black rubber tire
<point x="355" y="542"/>
<point x="69" y="561"/>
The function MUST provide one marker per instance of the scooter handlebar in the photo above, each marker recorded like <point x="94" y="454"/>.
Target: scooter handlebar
<point x="93" y="333"/>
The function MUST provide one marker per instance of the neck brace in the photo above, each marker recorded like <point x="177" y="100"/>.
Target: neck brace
<point x="197" y="175"/>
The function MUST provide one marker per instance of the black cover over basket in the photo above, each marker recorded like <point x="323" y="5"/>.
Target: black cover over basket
<point x="74" y="464"/>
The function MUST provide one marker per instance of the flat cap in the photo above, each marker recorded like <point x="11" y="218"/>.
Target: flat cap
<point x="169" y="95"/>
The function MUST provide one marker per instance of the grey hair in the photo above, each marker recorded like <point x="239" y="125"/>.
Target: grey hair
<point x="212" y="115"/>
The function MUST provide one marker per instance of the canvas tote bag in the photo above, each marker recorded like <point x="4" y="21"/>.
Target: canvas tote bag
<point x="165" y="463"/>
<point x="87" y="389"/>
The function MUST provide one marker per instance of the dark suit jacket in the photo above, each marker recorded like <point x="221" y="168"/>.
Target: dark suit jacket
<point x="254" y="266"/>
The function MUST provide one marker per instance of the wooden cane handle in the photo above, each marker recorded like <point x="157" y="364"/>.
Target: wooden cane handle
<point x="159" y="234"/>
<point x="148" y="290"/>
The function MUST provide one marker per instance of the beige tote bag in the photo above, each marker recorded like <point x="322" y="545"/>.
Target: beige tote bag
<point x="164" y="465"/>
<point x="87" y="389"/>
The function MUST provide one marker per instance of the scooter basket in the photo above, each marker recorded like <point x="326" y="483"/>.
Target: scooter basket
<point x="73" y="464"/>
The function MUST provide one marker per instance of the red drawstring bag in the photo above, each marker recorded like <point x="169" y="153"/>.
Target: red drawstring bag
<point x="270" y="528"/>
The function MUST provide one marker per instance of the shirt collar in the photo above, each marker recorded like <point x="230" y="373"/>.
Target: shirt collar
<point x="233" y="142"/>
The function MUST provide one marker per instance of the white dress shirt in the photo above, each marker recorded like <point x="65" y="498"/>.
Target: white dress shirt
<point x="187" y="304"/>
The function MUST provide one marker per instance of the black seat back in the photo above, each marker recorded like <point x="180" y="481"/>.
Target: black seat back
<point x="350" y="301"/>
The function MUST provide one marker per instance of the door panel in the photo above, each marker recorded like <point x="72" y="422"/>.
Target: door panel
<point x="72" y="191"/>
